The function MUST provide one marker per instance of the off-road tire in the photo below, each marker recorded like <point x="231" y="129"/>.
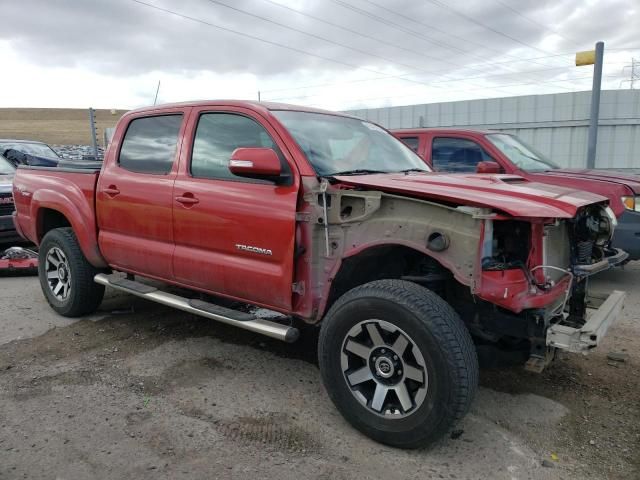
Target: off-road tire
<point x="85" y="295"/>
<point x="437" y="332"/>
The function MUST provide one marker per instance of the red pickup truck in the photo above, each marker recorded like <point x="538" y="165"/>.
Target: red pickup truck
<point x="322" y="217"/>
<point x="462" y="150"/>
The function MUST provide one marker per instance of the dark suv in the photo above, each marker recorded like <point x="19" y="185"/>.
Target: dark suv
<point x="7" y="230"/>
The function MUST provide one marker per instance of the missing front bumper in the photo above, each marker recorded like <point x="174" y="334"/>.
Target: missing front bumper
<point x="577" y="340"/>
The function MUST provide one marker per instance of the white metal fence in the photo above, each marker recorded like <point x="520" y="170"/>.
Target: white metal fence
<point x="555" y="124"/>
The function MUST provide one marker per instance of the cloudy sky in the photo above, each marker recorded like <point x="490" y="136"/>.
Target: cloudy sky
<point x="337" y="54"/>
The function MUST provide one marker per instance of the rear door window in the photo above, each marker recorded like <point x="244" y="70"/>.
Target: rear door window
<point x="456" y="155"/>
<point x="149" y="145"/>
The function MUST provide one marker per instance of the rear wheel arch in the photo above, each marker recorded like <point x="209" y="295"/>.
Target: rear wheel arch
<point x="48" y="219"/>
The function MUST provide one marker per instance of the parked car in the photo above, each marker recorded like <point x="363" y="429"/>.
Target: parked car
<point x="322" y="217"/>
<point x="29" y="152"/>
<point x="484" y="151"/>
<point x="7" y="230"/>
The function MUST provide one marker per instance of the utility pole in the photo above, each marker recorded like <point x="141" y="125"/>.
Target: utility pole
<point x="94" y="133"/>
<point x="595" y="58"/>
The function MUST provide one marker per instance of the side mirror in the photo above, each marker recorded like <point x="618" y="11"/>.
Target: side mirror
<point x="255" y="162"/>
<point x="488" y="167"/>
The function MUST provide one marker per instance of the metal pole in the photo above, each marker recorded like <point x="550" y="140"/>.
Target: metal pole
<point x="157" y="90"/>
<point x="258" y="95"/>
<point x="595" y="106"/>
<point x="94" y="136"/>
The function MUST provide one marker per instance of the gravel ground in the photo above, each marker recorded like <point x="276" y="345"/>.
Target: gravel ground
<point x="141" y="391"/>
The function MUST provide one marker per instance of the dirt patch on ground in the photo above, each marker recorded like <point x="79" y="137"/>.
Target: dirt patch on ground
<point x="601" y="430"/>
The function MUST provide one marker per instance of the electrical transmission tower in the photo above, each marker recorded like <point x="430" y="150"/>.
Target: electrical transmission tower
<point x="634" y="69"/>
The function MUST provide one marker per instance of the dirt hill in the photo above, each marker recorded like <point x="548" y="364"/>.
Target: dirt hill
<point x="55" y="125"/>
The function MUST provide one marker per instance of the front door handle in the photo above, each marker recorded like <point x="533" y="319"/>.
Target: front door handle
<point x="187" y="199"/>
<point x="111" y="190"/>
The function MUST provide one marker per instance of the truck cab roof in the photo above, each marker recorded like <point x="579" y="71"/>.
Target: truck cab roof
<point x="253" y="105"/>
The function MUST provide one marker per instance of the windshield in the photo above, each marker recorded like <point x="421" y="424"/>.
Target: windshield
<point x="521" y="154"/>
<point x="35" y="149"/>
<point x="335" y="144"/>
<point x="5" y="167"/>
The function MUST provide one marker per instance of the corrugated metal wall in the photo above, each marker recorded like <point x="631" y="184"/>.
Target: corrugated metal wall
<point x="555" y="124"/>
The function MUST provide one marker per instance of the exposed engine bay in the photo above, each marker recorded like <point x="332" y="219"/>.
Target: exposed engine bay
<point x="566" y="252"/>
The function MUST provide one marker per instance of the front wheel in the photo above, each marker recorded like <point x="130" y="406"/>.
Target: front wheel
<point x="398" y="362"/>
<point x="66" y="277"/>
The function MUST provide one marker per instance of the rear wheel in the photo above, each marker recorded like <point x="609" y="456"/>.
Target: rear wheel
<point x="397" y="362"/>
<point x="66" y="277"/>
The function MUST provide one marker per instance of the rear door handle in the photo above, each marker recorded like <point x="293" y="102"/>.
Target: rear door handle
<point x="111" y="190"/>
<point x="187" y="199"/>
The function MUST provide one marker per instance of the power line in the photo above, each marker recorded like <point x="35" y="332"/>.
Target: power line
<point x="263" y="40"/>
<point x="319" y="37"/>
<point x="406" y="17"/>
<point x="485" y="87"/>
<point x="402" y="28"/>
<point x="336" y="26"/>
<point x="447" y="81"/>
<point x="624" y="48"/>
<point x="386" y="77"/>
<point x="346" y="29"/>
<point x="347" y="82"/>
<point x="382" y="75"/>
<point x="531" y="20"/>
<point x="398" y="26"/>
<point x="483" y="25"/>
<point x="482" y="88"/>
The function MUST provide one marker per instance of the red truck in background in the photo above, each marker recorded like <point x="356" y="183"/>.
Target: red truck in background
<point x="460" y="150"/>
<point x="325" y="218"/>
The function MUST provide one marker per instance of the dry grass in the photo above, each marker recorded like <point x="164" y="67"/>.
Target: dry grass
<point x="55" y="125"/>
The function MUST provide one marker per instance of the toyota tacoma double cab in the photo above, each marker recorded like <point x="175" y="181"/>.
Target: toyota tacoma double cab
<point x="464" y="150"/>
<point x="323" y="218"/>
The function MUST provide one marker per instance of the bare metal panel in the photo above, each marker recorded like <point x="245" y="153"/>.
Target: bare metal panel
<point x="556" y="249"/>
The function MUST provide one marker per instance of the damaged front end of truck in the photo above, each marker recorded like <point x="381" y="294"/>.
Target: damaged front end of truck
<point x="516" y="268"/>
<point x="538" y="272"/>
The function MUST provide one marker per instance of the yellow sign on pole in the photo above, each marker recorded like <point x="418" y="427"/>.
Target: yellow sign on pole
<point x="585" y="58"/>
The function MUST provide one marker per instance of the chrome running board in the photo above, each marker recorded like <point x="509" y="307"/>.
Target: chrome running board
<point x="204" y="309"/>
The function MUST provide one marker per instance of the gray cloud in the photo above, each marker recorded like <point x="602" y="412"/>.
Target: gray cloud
<point x="120" y="37"/>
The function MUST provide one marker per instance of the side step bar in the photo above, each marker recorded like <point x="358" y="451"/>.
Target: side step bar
<point x="204" y="309"/>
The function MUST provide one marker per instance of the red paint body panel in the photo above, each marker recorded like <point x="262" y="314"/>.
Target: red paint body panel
<point x="135" y="221"/>
<point x="71" y="194"/>
<point x="511" y="290"/>
<point x="231" y="213"/>
<point x="502" y="192"/>
<point x="612" y="185"/>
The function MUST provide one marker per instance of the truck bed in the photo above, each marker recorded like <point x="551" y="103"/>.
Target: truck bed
<point x="68" y="190"/>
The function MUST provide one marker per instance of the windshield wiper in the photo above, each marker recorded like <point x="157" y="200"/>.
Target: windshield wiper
<point x="409" y="170"/>
<point x="360" y="171"/>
